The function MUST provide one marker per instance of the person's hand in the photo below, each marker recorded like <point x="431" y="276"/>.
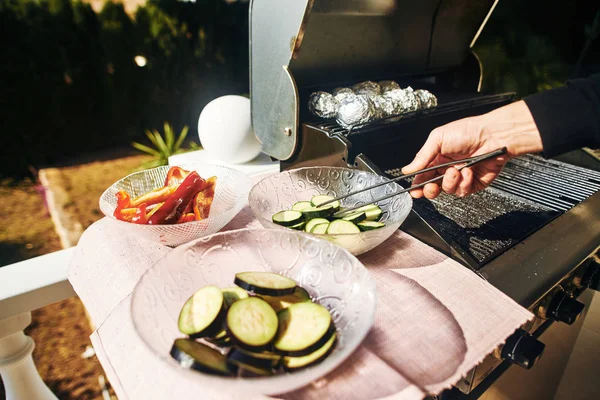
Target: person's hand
<point x="511" y="126"/>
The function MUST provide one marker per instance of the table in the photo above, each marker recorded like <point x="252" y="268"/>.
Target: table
<point x="435" y="319"/>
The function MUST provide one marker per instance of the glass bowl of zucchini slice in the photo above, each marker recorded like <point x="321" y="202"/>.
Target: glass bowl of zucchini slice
<point x="254" y="311"/>
<point x="293" y="199"/>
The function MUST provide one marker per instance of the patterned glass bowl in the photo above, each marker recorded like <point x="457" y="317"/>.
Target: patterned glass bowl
<point x="279" y="192"/>
<point x="331" y="275"/>
<point x="230" y="197"/>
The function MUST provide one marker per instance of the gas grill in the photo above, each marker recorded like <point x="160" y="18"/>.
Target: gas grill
<point x="533" y="234"/>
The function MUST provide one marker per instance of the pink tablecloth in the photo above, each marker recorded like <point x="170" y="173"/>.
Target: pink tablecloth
<point x="435" y="321"/>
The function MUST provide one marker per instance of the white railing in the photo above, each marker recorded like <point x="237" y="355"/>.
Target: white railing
<point x="26" y="286"/>
<point x="35" y="283"/>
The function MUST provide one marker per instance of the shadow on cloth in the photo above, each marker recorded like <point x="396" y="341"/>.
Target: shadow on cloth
<point x="415" y="342"/>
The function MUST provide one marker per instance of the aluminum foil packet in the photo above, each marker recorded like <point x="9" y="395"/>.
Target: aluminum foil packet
<point x="386" y="86"/>
<point x="384" y="107"/>
<point x="323" y="104"/>
<point x="341" y="93"/>
<point x="404" y="99"/>
<point x="355" y="110"/>
<point x="426" y="99"/>
<point x="367" y="88"/>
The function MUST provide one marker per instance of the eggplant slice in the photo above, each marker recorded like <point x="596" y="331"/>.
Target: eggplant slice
<point x="278" y="303"/>
<point x="294" y="363"/>
<point x="233" y="294"/>
<point x="259" y="366"/>
<point x="267" y="283"/>
<point x="195" y="355"/>
<point x="202" y="314"/>
<point x="252" y="323"/>
<point x="303" y="328"/>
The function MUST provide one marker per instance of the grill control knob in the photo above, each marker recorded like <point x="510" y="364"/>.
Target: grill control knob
<point x="591" y="279"/>
<point x="522" y="349"/>
<point x="565" y="308"/>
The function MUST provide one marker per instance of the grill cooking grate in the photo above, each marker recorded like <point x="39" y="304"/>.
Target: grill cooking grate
<point x="529" y="193"/>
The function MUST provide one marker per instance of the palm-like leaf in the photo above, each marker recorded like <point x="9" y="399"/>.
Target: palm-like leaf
<point x="169" y="137"/>
<point x="162" y="146"/>
<point x="181" y="138"/>
<point x="145" y="149"/>
<point x="165" y="147"/>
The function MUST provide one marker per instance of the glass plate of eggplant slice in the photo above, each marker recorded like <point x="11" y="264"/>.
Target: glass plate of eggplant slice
<point x="255" y="311"/>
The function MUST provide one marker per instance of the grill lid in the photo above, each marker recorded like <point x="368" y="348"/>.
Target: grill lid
<point x="303" y="43"/>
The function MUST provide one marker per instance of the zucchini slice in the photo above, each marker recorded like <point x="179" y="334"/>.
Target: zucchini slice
<point x="233" y="294"/>
<point x="267" y="283"/>
<point x="315" y="221"/>
<point x="318" y="212"/>
<point x="303" y="328"/>
<point x="250" y="362"/>
<point x="220" y="339"/>
<point x="316" y="201"/>
<point x="202" y="314"/>
<point x="195" y="355"/>
<point x="253" y="369"/>
<point x="340" y="226"/>
<point x="298" y="227"/>
<point x="355" y="217"/>
<point x="369" y="225"/>
<point x="287" y="218"/>
<point x="301" y="205"/>
<point x="294" y="363"/>
<point x="252" y="323"/>
<point x="372" y="212"/>
<point x="280" y="302"/>
<point x="320" y="229"/>
<point x="263" y="355"/>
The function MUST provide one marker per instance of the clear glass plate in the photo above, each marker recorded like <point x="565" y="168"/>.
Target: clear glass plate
<point x="332" y="276"/>
<point x="231" y="195"/>
<point x="280" y="191"/>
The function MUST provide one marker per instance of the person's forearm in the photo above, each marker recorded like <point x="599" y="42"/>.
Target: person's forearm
<point x="568" y="117"/>
<point x="512" y="126"/>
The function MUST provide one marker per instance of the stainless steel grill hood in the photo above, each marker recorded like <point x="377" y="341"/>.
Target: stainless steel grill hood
<point x="298" y="44"/>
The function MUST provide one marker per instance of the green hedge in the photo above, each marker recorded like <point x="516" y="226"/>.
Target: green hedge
<point x="70" y="84"/>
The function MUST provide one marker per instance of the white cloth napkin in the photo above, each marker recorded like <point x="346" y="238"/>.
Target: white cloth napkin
<point x="435" y="321"/>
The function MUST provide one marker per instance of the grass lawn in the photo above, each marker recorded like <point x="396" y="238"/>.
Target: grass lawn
<point x="85" y="184"/>
<point x="26" y="229"/>
<point x="61" y="330"/>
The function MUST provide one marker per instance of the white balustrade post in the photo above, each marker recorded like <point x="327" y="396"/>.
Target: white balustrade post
<point x="19" y="375"/>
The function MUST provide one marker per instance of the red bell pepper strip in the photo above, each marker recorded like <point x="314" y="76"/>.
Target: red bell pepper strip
<point x="174" y="206"/>
<point x="140" y="216"/>
<point x="156" y="196"/>
<point x="152" y="209"/>
<point x="175" y="176"/>
<point x="204" y="199"/>
<point x="122" y="210"/>
<point x="189" y="217"/>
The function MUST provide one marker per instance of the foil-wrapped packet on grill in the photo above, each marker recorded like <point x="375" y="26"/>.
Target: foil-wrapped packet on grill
<point x="426" y="99"/>
<point x="355" y="110"/>
<point x="323" y="104"/>
<point x="386" y="86"/>
<point x="384" y="107"/>
<point x="367" y="88"/>
<point x="413" y="102"/>
<point x="341" y="93"/>
<point x="404" y="99"/>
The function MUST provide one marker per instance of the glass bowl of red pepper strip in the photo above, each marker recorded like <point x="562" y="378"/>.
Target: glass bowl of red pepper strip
<point x="174" y="205"/>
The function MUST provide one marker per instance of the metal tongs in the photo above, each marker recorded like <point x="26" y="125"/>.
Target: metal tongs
<point x="467" y="162"/>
